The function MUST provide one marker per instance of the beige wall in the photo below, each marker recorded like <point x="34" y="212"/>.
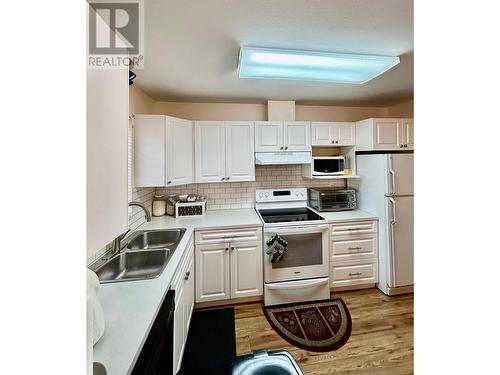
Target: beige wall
<point x="139" y="101"/>
<point x="401" y="110"/>
<point x="258" y="112"/>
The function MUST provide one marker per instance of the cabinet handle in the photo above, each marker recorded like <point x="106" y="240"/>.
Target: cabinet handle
<point x="354" y="228"/>
<point x="169" y="182"/>
<point x="187" y="275"/>
<point x="333" y="142"/>
<point x="286" y="148"/>
<point x="401" y="146"/>
<point x="281" y="148"/>
<point x="223" y="178"/>
<point x="355" y="274"/>
<point x="355" y="248"/>
<point x="337" y="142"/>
<point x="232" y="248"/>
<point x="227" y="178"/>
<point x="227" y="248"/>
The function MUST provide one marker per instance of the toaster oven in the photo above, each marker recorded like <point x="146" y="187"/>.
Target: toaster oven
<point x="328" y="199"/>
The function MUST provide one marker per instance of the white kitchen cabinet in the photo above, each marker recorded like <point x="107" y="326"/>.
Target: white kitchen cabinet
<point x="246" y="256"/>
<point x="240" y="152"/>
<point x="275" y="136"/>
<point x="228" y="265"/>
<point x="353" y="254"/>
<point x="268" y="136"/>
<point x="107" y="194"/>
<point x="333" y="133"/>
<point x="183" y="284"/>
<point x="224" y="151"/>
<point x="210" y="157"/>
<point x="180" y="150"/>
<point x="297" y="136"/>
<point x="163" y="151"/>
<point x="212" y="272"/>
<point x="384" y="134"/>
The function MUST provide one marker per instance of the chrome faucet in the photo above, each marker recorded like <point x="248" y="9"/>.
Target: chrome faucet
<point x="117" y="241"/>
<point x="148" y="214"/>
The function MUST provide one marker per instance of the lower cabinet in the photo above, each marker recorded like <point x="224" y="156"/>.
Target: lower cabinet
<point x="353" y="254"/>
<point x="231" y="268"/>
<point x="183" y="284"/>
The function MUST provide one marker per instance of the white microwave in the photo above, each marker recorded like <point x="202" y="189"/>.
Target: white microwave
<point x="328" y="165"/>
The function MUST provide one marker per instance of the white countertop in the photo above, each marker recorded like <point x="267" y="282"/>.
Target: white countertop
<point x="130" y="308"/>
<point x="352" y="215"/>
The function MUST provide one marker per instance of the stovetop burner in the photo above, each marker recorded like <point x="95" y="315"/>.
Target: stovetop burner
<point x="286" y="215"/>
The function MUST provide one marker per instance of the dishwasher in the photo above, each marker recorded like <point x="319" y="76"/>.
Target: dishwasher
<point x="156" y="356"/>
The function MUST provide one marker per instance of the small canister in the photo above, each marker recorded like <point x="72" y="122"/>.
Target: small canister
<point x="171" y="199"/>
<point x="159" y="205"/>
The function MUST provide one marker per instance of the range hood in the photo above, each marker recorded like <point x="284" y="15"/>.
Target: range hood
<point x="280" y="158"/>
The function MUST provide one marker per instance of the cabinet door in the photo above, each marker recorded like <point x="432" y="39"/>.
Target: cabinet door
<point x="321" y="133"/>
<point x="344" y="133"/>
<point x="387" y="134"/>
<point x="188" y="297"/>
<point x="212" y="272"/>
<point x="210" y="156"/>
<point x="180" y="152"/>
<point x="246" y="269"/>
<point x="268" y="136"/>
<point x="407" y="125"/>
<point x="297" y="136"/>
<point x="149" y="150"/>
<point x="179" y="334"/>
<point x="240" y="152"/>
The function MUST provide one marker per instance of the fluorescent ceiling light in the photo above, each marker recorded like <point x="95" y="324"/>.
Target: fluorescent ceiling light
<point x="271" y="63"/>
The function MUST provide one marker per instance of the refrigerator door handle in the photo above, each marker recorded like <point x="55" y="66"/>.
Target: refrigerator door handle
<point x="393" y="181"/>
<point x="393" y="203"/>
<point x="391" y="243"/>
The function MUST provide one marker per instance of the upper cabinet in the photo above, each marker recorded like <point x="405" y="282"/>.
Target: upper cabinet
<point x="224" y="151"/>
<point x="333" y="133"/>
<point x="163" y="151"/>
<point x="274" y="136"/>
<point x="384" y="134"/>
<point x="107" y="123"/>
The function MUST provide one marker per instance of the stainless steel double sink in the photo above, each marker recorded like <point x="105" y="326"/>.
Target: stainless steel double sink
<point x="145" y="256"/>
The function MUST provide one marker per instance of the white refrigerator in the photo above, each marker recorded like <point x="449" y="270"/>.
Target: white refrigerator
<point x="385" y="188"/>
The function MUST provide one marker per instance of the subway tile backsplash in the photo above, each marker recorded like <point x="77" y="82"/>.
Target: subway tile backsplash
<point x="233" y="195"/>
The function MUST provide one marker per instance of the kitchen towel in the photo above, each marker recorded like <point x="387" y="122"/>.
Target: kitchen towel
<point x="94" y="308"/>
<point x="276" y="247"/>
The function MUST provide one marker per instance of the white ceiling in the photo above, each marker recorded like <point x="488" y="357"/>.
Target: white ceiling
<point x="192" y="46"/>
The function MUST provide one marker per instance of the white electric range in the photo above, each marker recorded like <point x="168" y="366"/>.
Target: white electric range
<point x="303" y="272"/>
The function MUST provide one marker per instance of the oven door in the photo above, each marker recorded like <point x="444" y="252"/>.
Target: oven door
<point x="306" y="255"/>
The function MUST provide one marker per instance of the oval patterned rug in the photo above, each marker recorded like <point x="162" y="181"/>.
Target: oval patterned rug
<point x="316" y="326"/>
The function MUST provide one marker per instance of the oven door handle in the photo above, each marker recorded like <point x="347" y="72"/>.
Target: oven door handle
<point x="298" y="284"/>
<point x="297" y="230"/>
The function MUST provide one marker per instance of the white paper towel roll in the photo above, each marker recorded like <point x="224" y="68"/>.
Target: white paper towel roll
<point x="94" y="308"/>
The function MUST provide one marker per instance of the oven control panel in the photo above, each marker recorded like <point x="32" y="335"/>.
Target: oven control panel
<point x="281" y="195"/>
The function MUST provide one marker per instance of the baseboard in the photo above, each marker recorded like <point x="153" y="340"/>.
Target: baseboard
<point x="226" y="302"/>
<point x="351" y="287"/>
<point x="399" y="290"/>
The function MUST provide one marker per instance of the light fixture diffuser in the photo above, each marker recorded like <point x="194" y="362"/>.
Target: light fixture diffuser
<point x="271" y="63"/>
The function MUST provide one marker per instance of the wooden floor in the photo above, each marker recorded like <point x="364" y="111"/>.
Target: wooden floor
<point x="381" y="341"/>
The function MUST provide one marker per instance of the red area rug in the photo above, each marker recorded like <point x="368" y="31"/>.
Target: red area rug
<point x="316" y="326"/>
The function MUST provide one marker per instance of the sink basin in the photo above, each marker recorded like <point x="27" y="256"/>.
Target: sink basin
<point x="155" y="239"/>
<point x="134" y="265"/>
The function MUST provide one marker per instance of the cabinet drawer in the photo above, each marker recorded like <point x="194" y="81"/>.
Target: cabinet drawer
<point x="357" y="227"/>
<point x="362" y="273"/>
<point x="354" y="247"/>
<point x="232" y="235"/>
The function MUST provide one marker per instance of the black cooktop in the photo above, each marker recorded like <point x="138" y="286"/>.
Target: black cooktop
<point x="284" y="215"/>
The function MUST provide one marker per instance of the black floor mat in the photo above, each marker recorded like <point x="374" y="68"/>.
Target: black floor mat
<point x="211" y="343"/>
